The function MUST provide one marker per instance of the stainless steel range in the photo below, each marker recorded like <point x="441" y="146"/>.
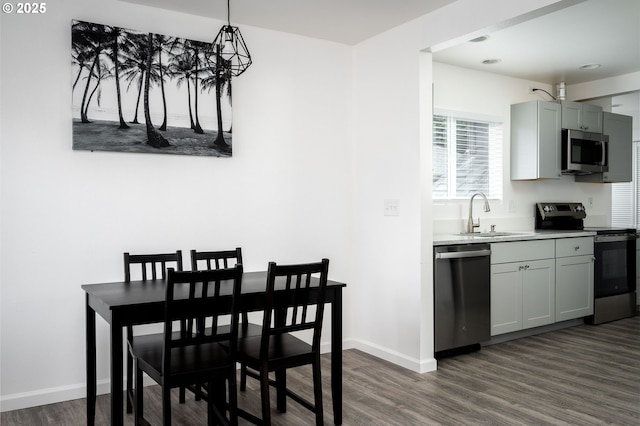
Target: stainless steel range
<point x="615" y="259"/>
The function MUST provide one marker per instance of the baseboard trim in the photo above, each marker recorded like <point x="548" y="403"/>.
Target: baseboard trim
<point x="36" y="398"/>
<point x="47" y="396"/>
<point x="394" y="357"/>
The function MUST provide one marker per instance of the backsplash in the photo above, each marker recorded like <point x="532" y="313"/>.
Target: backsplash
<point x="519" y="223"/>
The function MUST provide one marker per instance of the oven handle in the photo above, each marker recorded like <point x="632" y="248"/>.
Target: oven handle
<point x="614" y="238"/>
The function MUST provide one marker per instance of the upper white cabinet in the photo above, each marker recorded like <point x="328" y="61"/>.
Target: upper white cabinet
<point x="619" y="128"/>
<point x="581" y="116"/>
<point x="535" y="140"/>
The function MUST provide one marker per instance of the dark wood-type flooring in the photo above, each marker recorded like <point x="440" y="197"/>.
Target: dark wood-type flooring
<point x="584" y="375"/>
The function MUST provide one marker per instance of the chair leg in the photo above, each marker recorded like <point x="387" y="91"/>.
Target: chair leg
<point x="212" y="419"/>
<point x="233" y="397"/>
<point x="129" y="377"/>
<point x="264" y="394"/>
<point x="139" y="405"/>
<point x="243" y="377"/>
<point x="317" y="392"/>
<point x="281" y="390"/>
<point x="166" y="405"/>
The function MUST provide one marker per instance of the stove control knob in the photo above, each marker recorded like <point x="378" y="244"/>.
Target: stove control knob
<point x="579" y="208"/>
<point x="547" y="208"/>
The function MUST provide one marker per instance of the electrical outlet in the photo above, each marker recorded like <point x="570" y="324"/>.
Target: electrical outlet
<point x="590" y="203"/>
<point x="392" y="207"/>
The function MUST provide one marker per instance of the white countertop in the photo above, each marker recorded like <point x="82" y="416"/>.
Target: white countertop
<point x="447" y="239"/>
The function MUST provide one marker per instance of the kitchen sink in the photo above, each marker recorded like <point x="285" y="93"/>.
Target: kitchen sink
<point x="491" y="234"/>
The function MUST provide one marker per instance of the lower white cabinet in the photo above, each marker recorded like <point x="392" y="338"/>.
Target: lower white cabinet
<point x="539" y="282"/>
<point x="538" y="293"/>
<point x="523" y="279"/>
<point x="574" y="278"/>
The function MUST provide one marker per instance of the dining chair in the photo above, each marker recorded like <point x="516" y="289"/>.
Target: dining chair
<point x="146" y="267"/>
<point x="204" y="260"/>
<point x="299" y="306"/>
<point x="188" y="355"/>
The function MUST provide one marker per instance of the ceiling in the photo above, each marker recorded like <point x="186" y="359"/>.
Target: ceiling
<point x="342" y="21"/>
<point x="551" y="48"/>
<point x="547" y="49"/>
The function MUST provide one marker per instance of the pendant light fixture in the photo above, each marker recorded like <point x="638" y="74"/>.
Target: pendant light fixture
<point x="231" y="47"/>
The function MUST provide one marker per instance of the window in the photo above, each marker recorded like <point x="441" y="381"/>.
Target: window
<point x="467" y="157"/>
<point x="625" y="196"/>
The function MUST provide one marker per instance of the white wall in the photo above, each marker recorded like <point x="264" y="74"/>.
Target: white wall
<point x="485" y="93"/>
<point x="67" y="216"/>
<point x="392" y="134"/>
<point x="387" y="166"/>
<point x="348" y="126"/>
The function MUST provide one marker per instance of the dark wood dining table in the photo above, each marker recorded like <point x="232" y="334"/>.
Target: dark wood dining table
<point x="142" y="302"/>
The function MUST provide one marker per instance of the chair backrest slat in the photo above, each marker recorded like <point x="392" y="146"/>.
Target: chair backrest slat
<point x="301" y="289"/>
<point x="221" y="259"/>
<point x="212" y="260"/>
<point x="193" y="297"/>
<point x="154" y="265"/>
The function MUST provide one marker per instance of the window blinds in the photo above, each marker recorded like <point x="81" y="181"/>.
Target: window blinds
<point x="467" y="157"/>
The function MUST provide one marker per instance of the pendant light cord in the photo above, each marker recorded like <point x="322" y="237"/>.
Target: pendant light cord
<point x="228" y="13"/>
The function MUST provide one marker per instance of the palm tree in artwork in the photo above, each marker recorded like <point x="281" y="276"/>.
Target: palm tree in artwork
<point x="134" y="66"/>
<point x="154" y="138"/>
<point x="100" y="72"/>
<point x="81" y="58"/>
<point x="181" y="68"/>
<point x="164" y="44"/>
<point x="219" y="77"/>
<point x="197" y="50"/>
<point x="88" y="39"/>
<point x="118" y="41"/>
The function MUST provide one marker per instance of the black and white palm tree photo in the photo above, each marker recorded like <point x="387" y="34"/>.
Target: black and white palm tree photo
<point x="148" y="93"/>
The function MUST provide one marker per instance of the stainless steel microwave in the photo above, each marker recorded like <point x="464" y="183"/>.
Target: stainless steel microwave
<point x="584" y="152"/>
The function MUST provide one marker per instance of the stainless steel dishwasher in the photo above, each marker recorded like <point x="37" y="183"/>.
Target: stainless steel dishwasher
<point x="462" y="297"/>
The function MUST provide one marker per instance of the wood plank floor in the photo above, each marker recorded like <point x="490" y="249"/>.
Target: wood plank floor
<point x="584" y="375"/>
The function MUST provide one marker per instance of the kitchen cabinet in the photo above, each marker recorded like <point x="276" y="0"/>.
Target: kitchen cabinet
<point x="536" y="136"/>
<point x="581" y="116"/>
<point x="574" y="278"/>
<point x="523" y="279"/>
<point x="619" y="129"/>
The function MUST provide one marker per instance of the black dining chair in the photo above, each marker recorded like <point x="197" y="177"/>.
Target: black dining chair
<point x="188" y="355"/>
<point x="146" y="267"/>
<point x="299" y="306"/>
<point x="206" y="260"/>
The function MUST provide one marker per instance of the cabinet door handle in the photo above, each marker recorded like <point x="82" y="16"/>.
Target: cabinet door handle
<point x="576" y="248"/>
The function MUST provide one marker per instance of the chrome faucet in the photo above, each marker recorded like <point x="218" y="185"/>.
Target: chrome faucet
<point x="470" y="224"/>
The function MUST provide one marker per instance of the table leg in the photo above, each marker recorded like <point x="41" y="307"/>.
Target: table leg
<point x="336" y="356"/>
<point x="90" y="325"/>
<point x="116" y="373"/>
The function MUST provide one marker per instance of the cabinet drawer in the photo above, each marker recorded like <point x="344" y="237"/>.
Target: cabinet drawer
<point x="518" y="251"/>
<point x="580" y="246"/>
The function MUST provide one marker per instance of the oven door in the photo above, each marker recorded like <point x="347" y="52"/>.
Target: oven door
<point x="615" y="265"/>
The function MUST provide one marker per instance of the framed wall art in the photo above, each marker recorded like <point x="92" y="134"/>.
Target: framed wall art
<point x="148" y="93"/>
